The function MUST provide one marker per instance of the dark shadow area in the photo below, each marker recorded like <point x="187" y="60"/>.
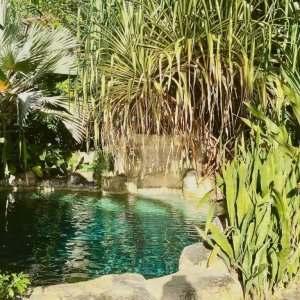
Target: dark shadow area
<point x="178" y="288"/>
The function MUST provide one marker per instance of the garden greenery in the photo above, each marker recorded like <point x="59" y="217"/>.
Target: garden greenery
<point x="262" y="198"/>
<point x="13" y="286"/>
<point x="213" y="71"/>
<point x="29" y="53"/>
<point x="184" y="67"/>
<point x="261" y="241"/>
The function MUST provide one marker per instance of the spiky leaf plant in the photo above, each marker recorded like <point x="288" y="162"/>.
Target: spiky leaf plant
<point x="184" y="67"/>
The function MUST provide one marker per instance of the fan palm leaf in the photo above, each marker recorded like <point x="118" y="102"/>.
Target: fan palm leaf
<point x="27" y="54"/>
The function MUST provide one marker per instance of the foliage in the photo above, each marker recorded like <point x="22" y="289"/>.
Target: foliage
<point x="284" y="126"/>
<point x="28" y="55"/>
<point x="261" y="241"/>
<point x="14" y="285"/>
<point x="261" y="192"/>
<point x="48" y="161"/>
<point x="49" y="13"/>
<point x="184" y="67"/>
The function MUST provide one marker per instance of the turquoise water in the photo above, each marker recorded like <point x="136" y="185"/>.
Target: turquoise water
<point x="60" y="238"/>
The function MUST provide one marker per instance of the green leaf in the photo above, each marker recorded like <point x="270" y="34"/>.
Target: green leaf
<point x="38" y="171"/>
<point x="213" y="255"/>
<point x="204" y="199"/>
<point x="222" y="241"/>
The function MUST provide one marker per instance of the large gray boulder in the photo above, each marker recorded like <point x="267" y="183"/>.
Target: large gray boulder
<point x="198" y="255"/>
<point x="108" y="287"/>
<point x="195" y="187"/>
<point x="196" y="283"/>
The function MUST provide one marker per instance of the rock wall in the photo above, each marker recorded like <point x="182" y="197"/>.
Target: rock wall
<point x="155" y="162"/>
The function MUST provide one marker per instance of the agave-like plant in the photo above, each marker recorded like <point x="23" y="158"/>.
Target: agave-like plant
<point x="27" y="55"/>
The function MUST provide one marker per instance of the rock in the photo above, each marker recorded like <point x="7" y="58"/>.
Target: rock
<point x="160" y="179"/>
<point x="196" y="283"/>
<point x="115" y="184"/>
<point x="195" y="188"/>
<point x="218" y="223"/>
<point x="109" y="287"/>
<point x="131" y="185"/>
<point x="289" y="292"/>
<point x="53" y="183"/>
<point x="129" y="287"/>
<point x="77" y="181"/>
<point x="87" y="175"/>
<point x="26" y="179"/>
<point x="198" y="255"/>
<point x="157" y="160"/>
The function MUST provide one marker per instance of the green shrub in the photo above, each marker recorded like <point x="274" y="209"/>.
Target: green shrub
<point x="261" y="241"/>
<point x="14" y="285"/>
<point x="178" y="67"/>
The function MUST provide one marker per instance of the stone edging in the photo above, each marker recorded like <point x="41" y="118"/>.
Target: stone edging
<point x="193" y="281"/>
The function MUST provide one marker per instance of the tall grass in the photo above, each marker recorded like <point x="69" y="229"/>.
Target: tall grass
<point x="184" y="67"/>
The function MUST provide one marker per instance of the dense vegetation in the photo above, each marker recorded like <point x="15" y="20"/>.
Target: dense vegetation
<point x="186" y="67"/>
<point x="223" y="72"/>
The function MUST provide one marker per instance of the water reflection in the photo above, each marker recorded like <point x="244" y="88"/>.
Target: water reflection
<point x="68" y="238"/>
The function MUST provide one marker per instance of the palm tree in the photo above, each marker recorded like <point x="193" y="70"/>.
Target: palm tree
<point x="27" y="55"/>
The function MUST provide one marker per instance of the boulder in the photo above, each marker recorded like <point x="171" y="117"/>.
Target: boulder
<point x="108" y="287"/>
<point x="26" y="179"/>
<point x="198" y="255"/>
<point x="194" y="187"/>
<point x="160" y="179"/>
<point x="87" y="175"/>
<point x="219" y="223"/>
<point x="114" y="184"/>
<point x="77" y="181"/>
<point x="196" y="283"/>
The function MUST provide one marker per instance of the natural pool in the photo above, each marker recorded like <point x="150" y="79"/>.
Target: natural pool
<point x="61" y="237"/>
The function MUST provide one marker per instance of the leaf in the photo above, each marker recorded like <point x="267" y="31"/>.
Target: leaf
<point x="38" y="171"/>
<point x="11" y="292"/>
<point x="209" y="217"/>
<point x="213" y="255"/>
<point x="229" y="180"/>
<point x="222" y="241"/>
<point x="204" y="199"/>
<point x="274" y="266"/>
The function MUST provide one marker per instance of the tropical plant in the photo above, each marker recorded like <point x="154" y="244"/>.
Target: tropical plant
<point x="262" y="238"/>
<point x="284" y="124"/>
<point x="28" y="54"/>
<point x="184" y="67"/>
<point x="14" y="285"/>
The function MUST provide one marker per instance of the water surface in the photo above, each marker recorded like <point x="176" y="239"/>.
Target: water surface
<point x="63" y="237"/>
